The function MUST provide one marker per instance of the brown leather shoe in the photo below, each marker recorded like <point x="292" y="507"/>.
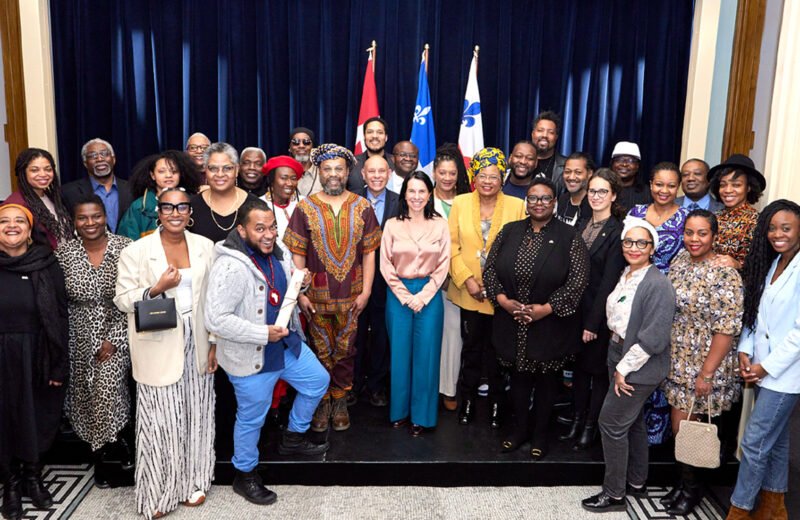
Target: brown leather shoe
<point x="770" y="507"/>
<point x="322" y="416"/>
<point x="341" y="419"/>
<point x="736" y="513"/>
<point x="450" y="404"/>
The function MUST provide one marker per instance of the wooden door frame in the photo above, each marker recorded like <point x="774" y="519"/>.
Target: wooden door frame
<point x="16" y="129"/>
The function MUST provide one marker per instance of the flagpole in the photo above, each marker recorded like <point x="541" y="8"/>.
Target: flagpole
<point x="475" y="53"/>
<point x="372" y="50"/>
<point x="425" y="57"/>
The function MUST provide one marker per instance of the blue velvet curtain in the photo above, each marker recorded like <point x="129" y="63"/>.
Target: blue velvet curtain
<point x="144" y="74"/>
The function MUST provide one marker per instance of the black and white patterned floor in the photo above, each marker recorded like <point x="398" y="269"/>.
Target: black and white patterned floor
<point x="650" y="508"/>
<point x="68" y="485"/>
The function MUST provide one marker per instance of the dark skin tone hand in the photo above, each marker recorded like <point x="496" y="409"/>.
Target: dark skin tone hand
<point x="106" y="351"/>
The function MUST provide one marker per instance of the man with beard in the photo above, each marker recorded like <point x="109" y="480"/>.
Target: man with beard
<point x="301" y="141"/>
<point x="254" y="351"/>
<point x="251" y="179"/>
<point x="550" y="164"/>
<point x="99" y="160"/>
<point x="376" y="134"/>
<point x="694" y="183"/>
<point x="196" y="147"/>
<point x="372" y="341"/>
<point x="573" y="206"/>
<point x="406" y="162"/>
<point x="521" y="163"/>
<point x="334" y="233"/>
<point x="625" y="161"/>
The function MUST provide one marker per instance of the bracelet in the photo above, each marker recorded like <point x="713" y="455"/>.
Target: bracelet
<point x="707" y="379"/>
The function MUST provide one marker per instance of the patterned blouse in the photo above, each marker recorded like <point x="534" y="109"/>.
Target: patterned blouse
<point x="736" y="227"/>
<point x="333" y="244"/>
<point x="709" y="300"/>
<point x="670" y="235"/>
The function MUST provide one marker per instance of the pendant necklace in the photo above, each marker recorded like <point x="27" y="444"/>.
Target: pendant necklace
<point x="273" y="296"/>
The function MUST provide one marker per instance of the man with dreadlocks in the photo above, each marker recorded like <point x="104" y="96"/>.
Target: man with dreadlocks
<point x="334" y="233"/>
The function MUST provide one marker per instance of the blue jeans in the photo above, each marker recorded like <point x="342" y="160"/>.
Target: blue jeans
<point x="254" y="397"/>
<point x="765" y="448"/>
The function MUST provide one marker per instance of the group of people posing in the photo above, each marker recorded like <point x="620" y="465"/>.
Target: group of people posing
<point x="327" y="278"/>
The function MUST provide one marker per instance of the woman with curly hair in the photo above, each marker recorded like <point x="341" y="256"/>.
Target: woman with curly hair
<point x="769" y="356"/>
<point x="152" y="175"/>
<point x="40" y="192"/>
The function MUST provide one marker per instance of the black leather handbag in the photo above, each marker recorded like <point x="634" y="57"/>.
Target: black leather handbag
<point x="155" y="314"/>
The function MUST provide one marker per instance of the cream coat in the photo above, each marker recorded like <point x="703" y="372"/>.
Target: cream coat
<point x="157" y="357"/>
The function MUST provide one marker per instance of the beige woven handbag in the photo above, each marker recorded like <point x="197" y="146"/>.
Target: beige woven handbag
<point x="697" y="443"/>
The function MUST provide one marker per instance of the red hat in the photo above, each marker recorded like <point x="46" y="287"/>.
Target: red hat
<point x="283" y="160"/>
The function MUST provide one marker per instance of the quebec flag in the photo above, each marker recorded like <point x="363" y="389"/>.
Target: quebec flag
<point x="470" y="136"/>
<point x="422" y="132"/>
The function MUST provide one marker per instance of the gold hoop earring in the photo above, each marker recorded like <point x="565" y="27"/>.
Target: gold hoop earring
<point x="30" y="241"/>
<point x="191" y="222"/>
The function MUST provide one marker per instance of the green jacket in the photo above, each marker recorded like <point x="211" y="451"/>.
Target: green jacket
<point x="140" y="219"/>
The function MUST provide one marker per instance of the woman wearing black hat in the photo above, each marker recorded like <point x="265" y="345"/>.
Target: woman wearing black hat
<point x="738" y="185"/>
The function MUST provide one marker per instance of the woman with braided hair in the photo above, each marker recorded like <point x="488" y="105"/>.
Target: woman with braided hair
<point x="40" y="192"/>
<point x="769" y="356"/>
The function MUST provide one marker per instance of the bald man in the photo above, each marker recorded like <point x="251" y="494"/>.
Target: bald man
<point x="406" y="162"/>
<point x="196" y="147"/>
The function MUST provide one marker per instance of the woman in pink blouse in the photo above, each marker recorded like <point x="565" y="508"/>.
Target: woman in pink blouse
<point x="415" y="257"/>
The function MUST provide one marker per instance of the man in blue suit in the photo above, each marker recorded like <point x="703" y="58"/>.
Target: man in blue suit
<point x="372" y="341"/>
<point x="694" y="182"/>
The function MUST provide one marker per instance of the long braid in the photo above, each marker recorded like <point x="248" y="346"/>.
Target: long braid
<point x="759" y="260"/>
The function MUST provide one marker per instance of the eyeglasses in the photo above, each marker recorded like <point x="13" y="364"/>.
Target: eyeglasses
<point x="306" y="142"/>
<point x="627" y="243"/>
<point x="487" y="178"/>
<point x="625" y="160"/>
<point x="600" y="194"/>
<point x="167" y="208"/>
<point x="406" y="155"/>
<point x="228" y="168"/>
<point x="197" y="147"/>
<point x="94" y="155"/>
<point x="544" y="199"/>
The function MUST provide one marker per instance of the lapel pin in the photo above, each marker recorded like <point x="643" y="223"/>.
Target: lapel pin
<point x="550" y="242"/>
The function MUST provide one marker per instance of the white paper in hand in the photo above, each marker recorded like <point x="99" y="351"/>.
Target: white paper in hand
<point x="290" y="300"/>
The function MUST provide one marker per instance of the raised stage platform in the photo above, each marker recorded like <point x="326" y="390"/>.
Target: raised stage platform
<point x="371" y="452"/>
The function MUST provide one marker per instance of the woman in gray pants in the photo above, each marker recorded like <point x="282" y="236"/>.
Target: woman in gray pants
<point x="640" y="311"/>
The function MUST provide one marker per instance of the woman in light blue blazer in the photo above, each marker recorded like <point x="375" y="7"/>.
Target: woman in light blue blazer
<point x="769" y="356"/>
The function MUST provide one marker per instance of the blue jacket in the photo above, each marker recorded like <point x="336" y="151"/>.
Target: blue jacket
<point x="775" y="339"/>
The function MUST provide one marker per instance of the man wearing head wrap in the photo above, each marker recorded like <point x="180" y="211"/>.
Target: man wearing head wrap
<point x="334" y="233"/>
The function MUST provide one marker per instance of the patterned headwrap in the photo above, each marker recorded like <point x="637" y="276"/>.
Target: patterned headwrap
<point x="634" y="222"/>
<point x="487" y="157"/>
<point x="328" y="151"/>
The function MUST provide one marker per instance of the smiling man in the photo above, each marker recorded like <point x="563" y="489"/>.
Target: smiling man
<point x="334" y="234"/>
<point x="406" y="162"/>
<point x="573" y="206"/>
<point x="251" y="179"/>
<point x="695" y="184"/>
<point x="196" y="147"/>
<point x="521" y="164"/>
<point x="376" y="135"/>
<point x="625" y="161"/>
<point x="544" y="135"/>
<point x="99" y="160"/>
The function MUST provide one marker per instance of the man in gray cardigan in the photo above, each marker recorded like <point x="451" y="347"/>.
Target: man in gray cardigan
<point x="246" y="287"/>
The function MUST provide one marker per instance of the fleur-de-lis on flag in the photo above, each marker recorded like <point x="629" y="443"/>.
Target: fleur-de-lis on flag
<point x="470" y="111"/>
<point x="420" y="113"/>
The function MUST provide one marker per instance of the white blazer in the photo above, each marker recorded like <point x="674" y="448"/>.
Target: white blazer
<point x="775" y="342"/>
<point x="157" y="357"/>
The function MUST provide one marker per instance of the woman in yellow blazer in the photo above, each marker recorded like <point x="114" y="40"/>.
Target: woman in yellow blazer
<point x="172" y="368"/>
<point x="475" y="219"/>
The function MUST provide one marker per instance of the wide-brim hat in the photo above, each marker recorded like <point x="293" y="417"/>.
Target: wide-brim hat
<point x="741" y="162"/>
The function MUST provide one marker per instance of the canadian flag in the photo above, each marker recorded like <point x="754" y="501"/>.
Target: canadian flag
<point x="470" y="136"/>
<point x="369" y="101"/>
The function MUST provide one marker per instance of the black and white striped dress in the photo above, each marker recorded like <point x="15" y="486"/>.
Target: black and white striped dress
<point x="175" y="428"/>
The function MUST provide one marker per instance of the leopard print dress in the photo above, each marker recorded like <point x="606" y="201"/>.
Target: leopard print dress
<point x="98" y="404"/>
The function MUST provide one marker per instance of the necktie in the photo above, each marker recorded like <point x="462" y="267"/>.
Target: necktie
<point x="693" y="206"/>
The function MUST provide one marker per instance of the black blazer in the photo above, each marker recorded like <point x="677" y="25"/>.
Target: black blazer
<point x="378" y="295"/>
<point x="74" y="190"/>
<point x="553" y="337"/>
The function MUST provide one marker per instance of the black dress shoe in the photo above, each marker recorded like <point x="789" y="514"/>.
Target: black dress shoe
<point x="416" y="430"/>
<point x="602" y="503"/>
<point x="467" y="412"/>
<point x="399" y="423"/>
<point x="249" y="485"/>
<point x="33" y="487"/>
<point x="496" y="416"/>
<point x="378" y="399"/>
<point x="688" y="499"/>
<point x="12" y="497"/>
<point x="633" y="491"/>
<point x="295" y="443"/>
<point x="670" y="498"/>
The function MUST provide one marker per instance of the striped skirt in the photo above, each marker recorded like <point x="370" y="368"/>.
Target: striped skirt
<point x="175" y="437"/>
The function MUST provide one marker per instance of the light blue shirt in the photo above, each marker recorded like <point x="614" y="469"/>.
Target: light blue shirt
<point x="110" y="200"/>
<point x="378" y="203"/>
<point x="775" y="340"/>
<point x="704" y="203"/>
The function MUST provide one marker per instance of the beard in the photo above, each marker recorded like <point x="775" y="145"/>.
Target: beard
<point x="333" y="191"/>
<point x="302" y="158"/>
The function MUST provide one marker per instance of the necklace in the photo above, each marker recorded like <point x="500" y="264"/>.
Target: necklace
<point x="273" y="296"/>
<point x="235" y="214"/>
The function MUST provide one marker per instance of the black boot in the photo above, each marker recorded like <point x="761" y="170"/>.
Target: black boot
<point x="467" y="412"/>
<point x="100" y="470"/>
<point x="126" y="456"/>
<point x="576" y="425"/>
<point x="670" y="498"/>
<point x="249" y="485"/>
<point x="588" y="436"/>
<point x="496" y="416"/>
<point x="690" y="496"/>
<point x="33" y="487"/>
<point x="12" y="493"/>
<point x="295" y="443"/>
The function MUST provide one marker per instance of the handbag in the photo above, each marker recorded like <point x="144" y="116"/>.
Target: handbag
<point x="155" y="314"/>
<point x="697" y="443"/>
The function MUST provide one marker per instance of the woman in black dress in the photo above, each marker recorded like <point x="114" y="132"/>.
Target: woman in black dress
<point x="601" y="234"/>
<point x="33" y="357"/>
<point x="535" y="276"/>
